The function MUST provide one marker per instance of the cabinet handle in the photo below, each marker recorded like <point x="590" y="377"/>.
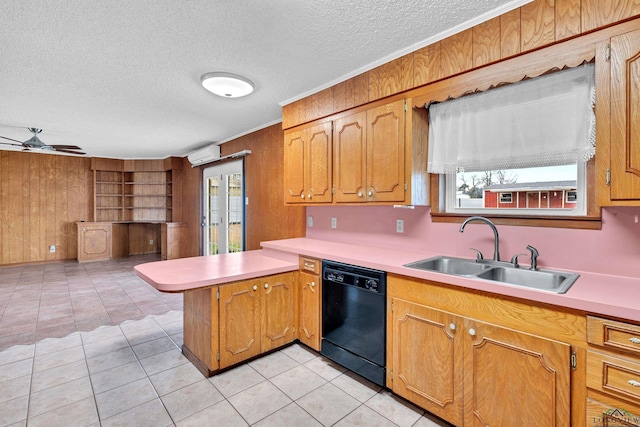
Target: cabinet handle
<point x="635" y="340"/>
<point x="266" y="285"/>
<point x="255" y="287"/>
<point x="472" y="332"/>
<point x="370" y="193"/>
<point x="360" y="194"/>
<point x="634" y="383"/>
<point x="302" y="196"/>
<point x="452" y="326"/>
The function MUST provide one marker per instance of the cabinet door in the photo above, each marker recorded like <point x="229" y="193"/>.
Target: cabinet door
<point x="625" y="110"/>
<point x="385" y="153"/>
<point x="309" y="302"/>
<point x="278" y="311"/>
<point x="427" y="358"/>
<point x="513" y="378"/>
<point x="318" y="164"/>
<point x="94" y="241"/>
<point x="294" y="158"/>
<point x="239" y="307"/>
<point x="349" y="158"/>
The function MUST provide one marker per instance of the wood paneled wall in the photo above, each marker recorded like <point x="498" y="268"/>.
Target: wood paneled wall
<point x="532" y="26"/>
<point x="41" y="198"/>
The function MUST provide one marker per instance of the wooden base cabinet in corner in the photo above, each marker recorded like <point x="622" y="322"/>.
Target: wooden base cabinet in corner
<point x="256" y="316"/>
<point x="309" y="302"/>
<point x="94" y="241"/>
<point x="474" y="373"/>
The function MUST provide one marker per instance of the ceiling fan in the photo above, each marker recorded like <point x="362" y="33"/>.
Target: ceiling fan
<point x="35" y="143"/>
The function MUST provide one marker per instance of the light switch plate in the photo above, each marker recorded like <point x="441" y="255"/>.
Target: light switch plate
<point x="334" y="222"/>
<point x="399" y="226"/>
<point x="309" y="221"/>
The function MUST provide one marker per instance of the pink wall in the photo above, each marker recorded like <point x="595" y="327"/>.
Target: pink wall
<point x="613" y="250"/>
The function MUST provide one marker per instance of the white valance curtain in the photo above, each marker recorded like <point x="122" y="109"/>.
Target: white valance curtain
<point x="545" y="121"/>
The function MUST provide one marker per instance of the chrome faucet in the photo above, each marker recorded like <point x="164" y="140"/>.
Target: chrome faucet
<point x="534" y="257"/>
<point x="496" y="247"/>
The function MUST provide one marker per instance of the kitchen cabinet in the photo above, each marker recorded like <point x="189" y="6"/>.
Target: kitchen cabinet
<point x="256" y="316"/>
<point x="618" y="86"/>
<point x="173" y="240"/>
<point x="613" y="372"/>
<point x="309" y="302"/>
<point x="469" y="369"/>
<point x="307" y="164"/>
<point x="94" y="241"/>
<point x="369" y="156"/>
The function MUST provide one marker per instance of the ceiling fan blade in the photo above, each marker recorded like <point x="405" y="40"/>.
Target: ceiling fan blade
<point x="66" y="147"/>
<point x="11" y="139"/>
<point x="68" y="151"/>
<point x="11" y="143"/>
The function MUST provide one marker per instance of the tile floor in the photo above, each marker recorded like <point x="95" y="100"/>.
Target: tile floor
<point x="130" y="372"/>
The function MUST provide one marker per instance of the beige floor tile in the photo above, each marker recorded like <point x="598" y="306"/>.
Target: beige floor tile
<point x="110" y="360"/>
<point x="50" y="345"/>
<point x="14" y="411"/>
<point x="394" y="408"/>
<point x="298" y="381"/>
<point x="364" y="416"/>
<point x="356" y="386"/>
<point x="150" y="414"/>
<point x="300" y="353"/>
<point x="98" y="348"/>
<point x="154" y="347"/>
<point x="328" y="404"/>
<point x="14" y="388"/>
<point x="325" y="368"/>
<point x="81" y="413"/>
<point x="143" y="335"/>
<point x="290" y="415"/>
<point x="191" y="399"/>
<point x="259" y="401"/>
<point x="125" y="397"/>
<point x="58" y="375"/>
<point x="221" y="411"/>
<point x="17" y="369"/>
<point x="163" y="361"/>
<point x="428" y="420"/>
<point x="175" y="378"/>
<point x="236" y="380"/>
<point x="101" y="334"/>
<point x="47" y="361"/>
<point x="115" y="377"/>
<point x="61" y="395"/>
<point x="273" y="364"/>
<point x="16" y="353"/>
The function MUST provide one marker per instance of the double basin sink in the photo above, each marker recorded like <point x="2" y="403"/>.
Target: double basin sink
<point x="499" y="272"/>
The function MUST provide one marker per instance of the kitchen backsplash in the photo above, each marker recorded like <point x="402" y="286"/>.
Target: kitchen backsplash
<point x="615" y="249"/>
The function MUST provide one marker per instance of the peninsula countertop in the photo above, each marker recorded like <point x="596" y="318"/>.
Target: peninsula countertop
<point x="600" y="294"/>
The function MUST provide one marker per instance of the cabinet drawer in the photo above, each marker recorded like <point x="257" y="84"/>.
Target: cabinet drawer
<point x="613" y="334"/>
<point x="606" y="415"/>
<point x="613" y="375"/>
<point x="310" y="265"/>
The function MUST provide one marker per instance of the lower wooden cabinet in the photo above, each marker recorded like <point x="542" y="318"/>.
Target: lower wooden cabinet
<point x="310" y="302"/>
<point x="474" y="373"/>
<point x="94" y="241"/>
<point x="256" y="316"/>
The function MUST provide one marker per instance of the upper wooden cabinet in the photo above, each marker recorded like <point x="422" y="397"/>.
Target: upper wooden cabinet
<point x="377" y="154"/>
<point x="307" y="164"/>
<point x="618" y="79"/>
<point x="368" y="158"/>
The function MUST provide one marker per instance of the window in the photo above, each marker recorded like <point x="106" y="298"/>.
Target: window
<point x="520" y="149"/>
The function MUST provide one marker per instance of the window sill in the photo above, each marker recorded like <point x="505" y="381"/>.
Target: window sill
<point x="582" y="222"/>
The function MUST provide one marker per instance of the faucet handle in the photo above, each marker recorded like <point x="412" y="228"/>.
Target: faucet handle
<point x="479" y="256"/>
<point x="514" y="260"/>
<point x="534" y="257"/>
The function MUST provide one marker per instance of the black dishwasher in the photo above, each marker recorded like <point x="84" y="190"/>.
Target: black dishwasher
<point x="354" y="317"/>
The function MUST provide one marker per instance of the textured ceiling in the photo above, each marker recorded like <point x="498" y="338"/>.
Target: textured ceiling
<point x="122" y="78"/>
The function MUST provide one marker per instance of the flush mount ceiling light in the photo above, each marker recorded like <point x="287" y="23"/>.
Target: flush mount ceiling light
<point x="227" y="85"/>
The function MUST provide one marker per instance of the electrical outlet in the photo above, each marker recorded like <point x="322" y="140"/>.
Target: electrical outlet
<point x="400" y="226"/>
<point x="52" y="248"/>
<point x="309" y="221"/>
<point x="150" y="242"/>
<point x="334" y="222"/>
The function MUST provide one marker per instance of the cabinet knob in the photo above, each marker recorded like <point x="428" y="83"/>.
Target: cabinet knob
<point x="452" y="326"/>
<point x="360" y="194"/>
<point x="309" y="196"/>
<point x="370" y="193"/>
<point x="302" y="196"/>
<point x="313" y="284"/>
<point x="634" y="383"/>
<point x="255" y="287"/>
<point x="266" y="285"/>
<point x="472" y="332"/>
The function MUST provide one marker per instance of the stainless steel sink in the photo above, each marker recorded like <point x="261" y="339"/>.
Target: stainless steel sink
<point x="545" y="280"/>
<point x="450" y="265"/>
